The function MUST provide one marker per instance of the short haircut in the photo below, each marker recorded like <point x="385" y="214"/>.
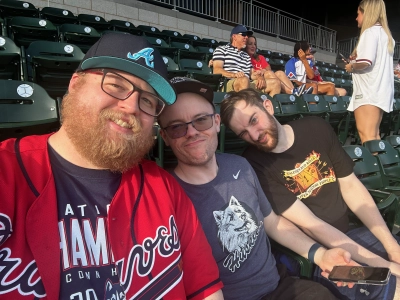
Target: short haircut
<point x="249" y="96"/>
<point x="303" y="45"/>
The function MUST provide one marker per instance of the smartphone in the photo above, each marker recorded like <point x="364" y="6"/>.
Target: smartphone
<point x="360" y="275"/>
<point x="345" y="58"/>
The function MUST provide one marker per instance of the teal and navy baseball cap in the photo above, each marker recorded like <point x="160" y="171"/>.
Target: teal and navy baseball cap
<point x="134" y="55"/>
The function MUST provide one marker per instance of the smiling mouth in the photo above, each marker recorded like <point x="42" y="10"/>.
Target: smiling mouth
<point x="123" y="124"/>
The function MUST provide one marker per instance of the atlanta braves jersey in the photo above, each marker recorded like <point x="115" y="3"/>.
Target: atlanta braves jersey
<point x="155" y="238"/>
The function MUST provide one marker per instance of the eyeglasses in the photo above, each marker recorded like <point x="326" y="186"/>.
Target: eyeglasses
<point x="178" y="130"/>
<point x="243" y="34"/>
<point x="121" y="88"/>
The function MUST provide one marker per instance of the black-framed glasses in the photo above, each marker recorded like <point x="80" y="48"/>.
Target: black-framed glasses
<point x="243" y="34"/>
<point x="178" y="130"/>
<point x="119" y="87"/>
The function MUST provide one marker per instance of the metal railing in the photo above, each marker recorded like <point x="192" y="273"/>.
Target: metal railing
<point x="259" y="17"/>
<point x="346" y="47"/>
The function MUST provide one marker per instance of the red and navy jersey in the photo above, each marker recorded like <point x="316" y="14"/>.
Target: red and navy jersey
<point x="155" y="237"/>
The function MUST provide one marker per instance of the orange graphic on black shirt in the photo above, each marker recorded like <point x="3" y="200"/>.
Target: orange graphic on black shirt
<point x="307" y="178"/>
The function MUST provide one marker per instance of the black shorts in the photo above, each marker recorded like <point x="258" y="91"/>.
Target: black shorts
<point x="293" y="288"/>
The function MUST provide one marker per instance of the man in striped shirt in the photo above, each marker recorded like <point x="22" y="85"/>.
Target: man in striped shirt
<point x="232" y="62"/>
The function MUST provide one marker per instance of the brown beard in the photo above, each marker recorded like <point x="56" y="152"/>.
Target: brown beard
<point x="96" y="142"/>
<point x="272" y="133"/>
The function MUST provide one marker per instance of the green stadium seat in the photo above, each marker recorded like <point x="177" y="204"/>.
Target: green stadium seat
<point x="80" y="35"/>
<point x="186" y="50"/>
<point x="339" y="116"/>
<point x="96" y="22"/>
<point x="211" y="42"/>
<point x="51" y="65"/>
<point x="196" y="41"/>
<point x="368" y="172"/>
<point x="151" y="31"/>
<point x="125" y="26"/>
<point x="277" y="64"/>
<point x="26" y="109"/>
<point x="25" y="30"/>
<point x="3" y="29"/>
<point x="175" y="36"/>
<point x="163" y="47"/>
<point x="208" y="51"/>
<point x="290" y="106"/>
<point x="173" y="68"/>
<point x="200" y="71"/>
<point x="58" y="16"/>
<point x="10" y="59"/>
<point x="12" y="8"/>
<point x="316" y="105"/>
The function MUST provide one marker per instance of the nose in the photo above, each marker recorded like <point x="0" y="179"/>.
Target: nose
<point x="131" y="104"/>
<point x="191" y="131"/>
<point x="253" y="134"/>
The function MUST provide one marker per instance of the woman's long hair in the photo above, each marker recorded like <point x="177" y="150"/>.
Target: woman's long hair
<point x="255" y="55"/>
<point x="375" y="12"/>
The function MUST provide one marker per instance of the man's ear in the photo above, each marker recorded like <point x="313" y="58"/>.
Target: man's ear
<point x="269" y="106"/>
<point x="217" y="119"/>
<point x="73" y="81"/>
<point x="164" y="136"/>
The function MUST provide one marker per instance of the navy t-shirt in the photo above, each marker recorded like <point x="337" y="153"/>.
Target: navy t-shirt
<point x="83" y="196"/>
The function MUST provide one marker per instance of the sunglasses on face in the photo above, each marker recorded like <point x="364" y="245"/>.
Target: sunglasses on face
<point x="243" y="34"/>
<point x="178" y="130"/>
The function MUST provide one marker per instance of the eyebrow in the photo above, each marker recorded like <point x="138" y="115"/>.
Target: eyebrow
<point x="182" y="121"/>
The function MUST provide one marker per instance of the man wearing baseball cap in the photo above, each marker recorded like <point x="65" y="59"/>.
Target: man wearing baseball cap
<point x="232" y="208"/>
<point x="82" y="214"/>
<point x="235" y="64"/>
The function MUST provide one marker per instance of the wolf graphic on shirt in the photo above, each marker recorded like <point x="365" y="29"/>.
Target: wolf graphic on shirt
<point x="237" y="232"/>
<point x="114" y="291"/>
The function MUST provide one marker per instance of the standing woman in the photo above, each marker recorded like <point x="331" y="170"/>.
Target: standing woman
<point x="372" y="67"/>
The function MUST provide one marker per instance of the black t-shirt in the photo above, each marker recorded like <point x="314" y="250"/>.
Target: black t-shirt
<point x="307" y="171"/>
<point x="83" y="196"/>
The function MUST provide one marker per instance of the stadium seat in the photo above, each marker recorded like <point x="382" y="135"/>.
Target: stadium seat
<point x="3" y="29"/>
<point x="125" y="26"/>
<point x="196" y="41"/>
<point x="151" y="31"/>
<point x="25" y="30"/>
<point x="96" y="22"/>
<point x="208" y="51"/>
<point x="290" y="107"/>
<point x="316" y="105"/>
<point x="58" y="16"/>
<point x="277" y="64"/>
<point x="163" y="47"/>
<point x="12" y="8"/>
<point x="51" y="65"/>
<point x="173" y="68"/>
<point x="26" y="109"/>
<point x="211" y="42"/>
<point x="368" y="172"/>
<point x="339" y="116"/>
<point x="80" y="35"/>
<point x="10" y="59"/>
<point x="388" y="158"/>
<point x="186" y="50"/>
<point x="175" y="36"/>
<point x="200" y="71"/>
<point x="394" y="140"/>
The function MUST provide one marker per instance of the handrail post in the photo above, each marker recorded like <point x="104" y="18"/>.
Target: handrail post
<point x="217" y="10"/>
<point x="251" y="14"/>
<point x="277" y="23"/>
<point x="300" y="33"/>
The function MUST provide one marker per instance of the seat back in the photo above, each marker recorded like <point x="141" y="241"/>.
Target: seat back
<point x="25" y="30"/>
<point x="290" y="105"/>
<point x="94" y="21"/>
<point x="124" y="26"/>
<point x="80" y="35"/>
<point x="51" y="65"/>
<point x="173" y="68"/>
<point x="12" y="8"/>
<point x="366" y="167"/>
<point x="25" y="109"/>
<point x="175" y="36"/>
<point x="387" y="156"/>
<point x="10" y="59"/>
<point x="58" y="16"/>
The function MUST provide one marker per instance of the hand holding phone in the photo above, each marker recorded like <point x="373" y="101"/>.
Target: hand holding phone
<point x="360" y="274"/>
<point x="346" y="60"/>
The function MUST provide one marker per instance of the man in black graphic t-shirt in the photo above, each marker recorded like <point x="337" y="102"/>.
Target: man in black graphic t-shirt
<point x="309" y="179"/>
